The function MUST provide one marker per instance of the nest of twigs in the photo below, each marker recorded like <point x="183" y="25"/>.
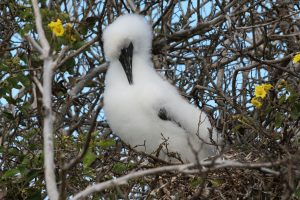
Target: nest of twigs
<point x="254" y="179"/>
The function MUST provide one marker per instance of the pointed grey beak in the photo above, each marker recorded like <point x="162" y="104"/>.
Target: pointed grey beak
<point x="126" y="61"/>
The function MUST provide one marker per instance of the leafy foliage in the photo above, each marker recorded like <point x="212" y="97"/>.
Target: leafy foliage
<point x="215" y="52"/>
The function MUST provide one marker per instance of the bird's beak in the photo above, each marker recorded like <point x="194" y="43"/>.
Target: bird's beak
<point x="126" y="61"/>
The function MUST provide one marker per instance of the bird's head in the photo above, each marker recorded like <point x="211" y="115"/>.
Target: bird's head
<point x="127" y="36"/>
<point x="126" y="29"/>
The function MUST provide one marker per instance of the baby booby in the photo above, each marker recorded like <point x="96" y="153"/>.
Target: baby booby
<point x="142" y="108"/>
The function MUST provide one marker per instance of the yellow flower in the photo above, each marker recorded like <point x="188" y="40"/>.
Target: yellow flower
<point x="260" y="91"/>
<point x="256" y="102"/>
<point x="57" y="28"/>
<point x="296" y="58"/>
<point x="267" y="86"/>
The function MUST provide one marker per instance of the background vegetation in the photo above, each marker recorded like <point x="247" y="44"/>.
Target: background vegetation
<point x="215" y="52"/>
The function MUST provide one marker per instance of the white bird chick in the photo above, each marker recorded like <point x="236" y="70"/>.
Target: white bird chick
<point x="144" y="110"/>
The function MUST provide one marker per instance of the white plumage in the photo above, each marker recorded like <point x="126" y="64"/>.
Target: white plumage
<point x="149" y="111"/>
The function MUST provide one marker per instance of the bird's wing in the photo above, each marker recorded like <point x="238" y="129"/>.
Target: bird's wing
<point x="185" y="115"/>
<point x="164" y="115"/>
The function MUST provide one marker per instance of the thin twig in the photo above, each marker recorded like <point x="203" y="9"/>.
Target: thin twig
<point x="78" y="51"/>
<point x="93" y="73"/>
<point x="38" y="84"/>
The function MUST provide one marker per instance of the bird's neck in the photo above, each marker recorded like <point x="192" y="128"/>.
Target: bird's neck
<point x="115" y="76"/>
<point x="142" y="68"/>
<point x="142" y="72"/>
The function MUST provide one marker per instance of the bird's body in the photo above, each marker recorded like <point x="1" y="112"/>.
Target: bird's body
<point x="143" y="109"/>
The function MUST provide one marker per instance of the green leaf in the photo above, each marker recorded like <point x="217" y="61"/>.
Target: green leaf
<point x="119" y="168"/>
<point x="297" y="192"/>
<point x="104" y="144"/>
<point x="68" y="66"/>
<point x="23" y="170"/>
<point x="35" y="194"/>
<point x="216" y="182"/>
<point x="13" y="152"/>
<point x="293" y="95"/>
<point x="4" y="67"/>
<point x="89" y="158"/>
<point x="79" y="44"/>
<point x="3" y="91"/>
<point x="24" y="80"/>
<point x="10" y="100"/>
<point x="295" y="112"/>
<point x="237" y="128"/>
<point x="196" y="182"/>
<point x="12" y="81"/>
<point x="8" y="115"/>
<point x="28" y="27"/>
<point x="25" y="161"/>
<point x="11" y="173"/>
<point x="83" y="28"/>
<point x="70" y="63"/>
<point x="91" y="21"/>
<point x="278" y="119"/>
<point x="282" y="99"/>
<point x="269" y="109"/>
<point x="31" y="175"/>
<point x="18" y="87"/>
<point x="26" y="14"/>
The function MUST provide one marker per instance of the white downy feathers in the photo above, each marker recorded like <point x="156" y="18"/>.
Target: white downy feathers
<point x="147" y="112"/>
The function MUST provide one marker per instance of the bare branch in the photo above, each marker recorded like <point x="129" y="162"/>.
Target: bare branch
<point x="40" y="30"/>
<point x="204" y="166"/>
<point x="78" y="51"/>
<point x="124" y="179"/>
<point x="47" y="103"/>
<point x="87" y="142"/>
<point x="38" y="84"/>
<point x="34" y="44"/>
<point x="132" y="5"/>
<point x="93" y="73"/>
